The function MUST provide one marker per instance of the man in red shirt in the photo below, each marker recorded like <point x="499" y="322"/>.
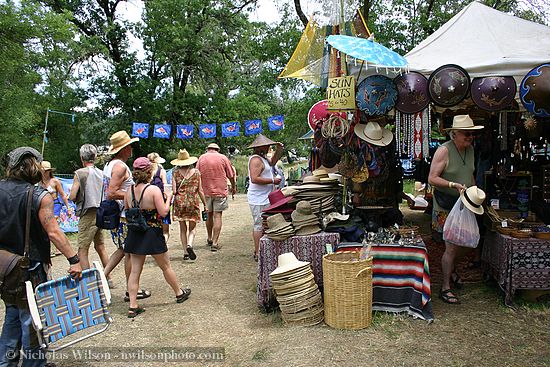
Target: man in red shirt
<point x="215" y="169"/>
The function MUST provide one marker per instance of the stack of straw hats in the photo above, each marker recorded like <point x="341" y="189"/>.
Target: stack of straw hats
<point x="278" y="228"/>
<point x="319" y="189"/>
<point x="303" y="219"/>
<point x="296" y="291"/>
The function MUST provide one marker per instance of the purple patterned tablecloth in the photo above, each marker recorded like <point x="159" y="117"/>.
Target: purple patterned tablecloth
<point x="517" y="263"/>
<point x="306" y="248"/>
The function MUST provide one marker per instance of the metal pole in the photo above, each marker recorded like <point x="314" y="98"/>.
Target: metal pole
<point x="45" y="131"/>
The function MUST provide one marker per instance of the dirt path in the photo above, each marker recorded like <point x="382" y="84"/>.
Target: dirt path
<point x="222" y="312"/>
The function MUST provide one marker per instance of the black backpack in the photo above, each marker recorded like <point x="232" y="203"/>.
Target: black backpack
<point x="135" y="219"/>
<point x="108" y="215"/>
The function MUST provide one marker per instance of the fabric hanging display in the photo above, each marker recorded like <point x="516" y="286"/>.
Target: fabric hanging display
<point x="207" y="131"/>
<point x="503" y="130"/>
<point x="140" y="130"/>
<point x="252" y="127"/>
<point x="231" y="129"/>
<point x="426" y="132"/>
<point x="162" y="131"/>
<point x="185" y="131"/>
<point x="276" y="122"/>
<point x="417" y="135"/>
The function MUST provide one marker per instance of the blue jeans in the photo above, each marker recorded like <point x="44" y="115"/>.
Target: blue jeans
<point x="18" y="333"/>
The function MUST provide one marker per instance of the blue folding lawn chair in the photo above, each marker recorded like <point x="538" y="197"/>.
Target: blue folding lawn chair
<point x="70" y="309"/>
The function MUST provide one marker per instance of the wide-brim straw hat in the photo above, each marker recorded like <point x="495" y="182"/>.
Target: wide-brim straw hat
<point x="463" y="122"/>
<point x="373" y="133"/>
<point x="213" y="146"/>
<point x="473" y="198"/>
<point x="287" y="262"/>
<point x="261" y="141"/>
<point x="303" y="211"/>
<point x="184" y="159"/>
<point x="119" y="140"/>
<point x="277" y="223"/>
<point x="156" y="158"/>
<point x="47" y="166"/>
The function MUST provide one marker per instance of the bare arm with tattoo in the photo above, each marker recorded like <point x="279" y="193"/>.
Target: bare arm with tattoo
<point x="55" y="234"/>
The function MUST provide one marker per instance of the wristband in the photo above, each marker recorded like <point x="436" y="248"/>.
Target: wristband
<point x="73" y="260"/>
<point x="451" y="184"/>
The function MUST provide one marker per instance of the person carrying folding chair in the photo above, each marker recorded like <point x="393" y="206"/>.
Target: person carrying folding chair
<point x="27" y="225"/>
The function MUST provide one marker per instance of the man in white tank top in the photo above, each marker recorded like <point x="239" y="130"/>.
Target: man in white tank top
<point x="262" y="182"/>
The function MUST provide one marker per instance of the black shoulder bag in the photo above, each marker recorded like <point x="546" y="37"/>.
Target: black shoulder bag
<point x="134" y="218"/>
<point x="446" y="201"/>
<point x="14" y="268"/>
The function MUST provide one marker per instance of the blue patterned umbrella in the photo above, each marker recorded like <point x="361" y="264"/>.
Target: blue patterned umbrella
<point x="368" y="50"/>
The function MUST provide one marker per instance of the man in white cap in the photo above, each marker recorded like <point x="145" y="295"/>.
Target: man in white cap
<point x="216" y="170"/>
<point x="263" y="180"/>
<point x="117" y="179"/>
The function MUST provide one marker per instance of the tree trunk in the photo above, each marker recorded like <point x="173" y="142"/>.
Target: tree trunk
<point x="365" y="10"/>
<point x="300" y="13"/>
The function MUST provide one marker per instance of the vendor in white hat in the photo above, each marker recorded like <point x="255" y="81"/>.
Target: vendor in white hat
<point x="262" y="181"/>
<point x="451" y="172"/>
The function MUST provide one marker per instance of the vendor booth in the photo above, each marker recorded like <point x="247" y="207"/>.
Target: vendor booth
<point x="382" y="109"/>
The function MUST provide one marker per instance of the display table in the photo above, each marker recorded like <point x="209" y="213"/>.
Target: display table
<point x="306" y="248"/>
<point x="401" y="280"/>
<point x="516" y="263"/>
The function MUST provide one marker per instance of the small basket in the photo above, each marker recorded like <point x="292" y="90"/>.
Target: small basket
<point x="347" y="284"/>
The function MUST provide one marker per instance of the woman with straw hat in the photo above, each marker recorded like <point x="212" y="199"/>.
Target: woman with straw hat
<point x="159" y="179"/>
<point x="451" y="172"/>
<point x="53" y="185"/>
<point x="187" y="189"/>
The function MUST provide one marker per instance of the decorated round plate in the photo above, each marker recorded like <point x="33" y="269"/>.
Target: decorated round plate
<point x="319" y="112"/>
<point x="412" y="92"/>
<point x="534" y="91"/>
<point x="493" y="93"/>
<point x="448" y="85"/>
<point x="376" y="95"/>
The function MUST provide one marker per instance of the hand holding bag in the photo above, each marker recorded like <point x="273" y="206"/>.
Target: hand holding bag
<point x="461" y="227"/>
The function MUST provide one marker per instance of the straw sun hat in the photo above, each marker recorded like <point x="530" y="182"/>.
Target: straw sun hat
<point x="119" y="140"/>
<point x="463" y="122"/>
<point x="287" y="262"/>
<point x="47" y="166"/>
<point x="184" y="159"/>
<point x="371" y="132"/>
<point x="260" y="141"/>
<point x="213" y="146"/>
<point x="473" y="198"/>
<point x="155" y="158"/>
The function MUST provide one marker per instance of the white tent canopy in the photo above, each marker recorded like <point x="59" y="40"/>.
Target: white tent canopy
<point x="485" y="42"/>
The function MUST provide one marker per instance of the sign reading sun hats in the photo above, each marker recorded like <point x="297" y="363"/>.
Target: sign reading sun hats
<point x="376" y="95"/>
<point x="319" y="113"/>
<point x="473" y="198"/>
<point x="412" y="92"/>
<point x="156" y="158"/>
<point x="448" y="85"/>
<point x="142" y="163"/>
<point x="493" y="93"/>
<point x="463" y="122"/>
<point x="278" y="200"/>
<point x="47" y="166"/>
<point x="534" y="91"/>
<point x="184" y="159"/>
<point x="261" y="141"/>
<point x="213" y="146"/>
<point x="371" y="132"/>
<point x="16" y="155"/>
<point x="119" y="140"/>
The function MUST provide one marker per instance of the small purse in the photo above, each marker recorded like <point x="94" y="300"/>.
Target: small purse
<point x="14" y="268"/>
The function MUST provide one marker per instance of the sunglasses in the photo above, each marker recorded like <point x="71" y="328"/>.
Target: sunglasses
<point x="467" y="133"/>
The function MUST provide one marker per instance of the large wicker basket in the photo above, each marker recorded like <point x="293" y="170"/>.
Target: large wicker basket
<point x="347" y="290"/>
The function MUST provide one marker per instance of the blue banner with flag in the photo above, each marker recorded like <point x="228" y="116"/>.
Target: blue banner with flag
<point x="252" y="127"/>
<point x="162" y="131"/>
<point x="276" y="122"/>
<point x="231" y="129"/>
<point x="207" y="131"/>
<point x="185" y="131"/>
<point x="140" y="130"/>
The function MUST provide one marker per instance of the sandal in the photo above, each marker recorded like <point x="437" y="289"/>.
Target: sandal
<point x="191" y="253"/>
<point x="214" y="248"/>
<point x="457" y="281"/>
<point x="133" y="312"/>
<point x="209" y="242"/>
<point x="182" y="297"/>
<point x="142" y="294"/>
<point x="185" y="257"/>
<point x="448" y="297"/>
<point x="256" y="257"/>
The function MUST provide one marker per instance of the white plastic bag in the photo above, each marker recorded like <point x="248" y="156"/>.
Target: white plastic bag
<point x="461" y="227"/>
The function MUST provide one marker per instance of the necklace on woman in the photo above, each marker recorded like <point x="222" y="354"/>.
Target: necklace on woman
<point x="463" y="159"/>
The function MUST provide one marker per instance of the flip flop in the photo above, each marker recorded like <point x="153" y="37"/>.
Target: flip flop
<point x="448" y="297"/>
<point x="142" y="294"/>
<point x="209" y="242"/>
<point x="133" y="312"/>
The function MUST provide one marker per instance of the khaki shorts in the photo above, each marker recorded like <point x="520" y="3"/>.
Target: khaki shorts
<point x="216" y="204"/>
<point x="87" y="230"/>
<point x="256" y="211"/>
